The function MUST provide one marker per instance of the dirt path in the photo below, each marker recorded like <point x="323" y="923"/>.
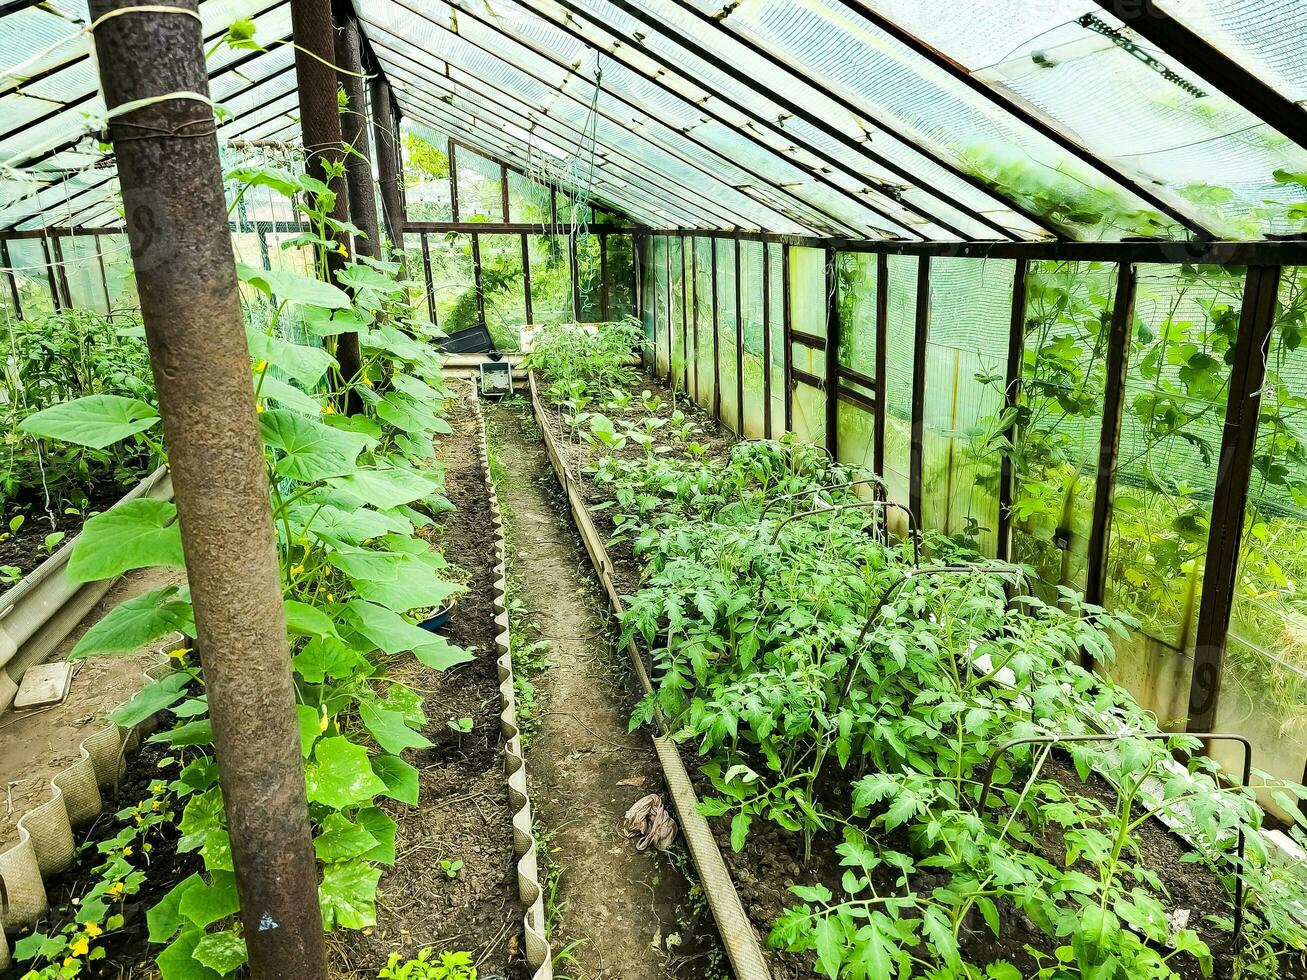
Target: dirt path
<point x="619" y="913"/>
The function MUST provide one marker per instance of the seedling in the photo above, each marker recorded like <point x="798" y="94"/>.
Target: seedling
<point x="460" y="725"/>
<point x="451" y="966"/>
<point x="451" y="867"/>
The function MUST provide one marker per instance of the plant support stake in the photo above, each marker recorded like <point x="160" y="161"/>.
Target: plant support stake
<point x="176" y="220"/>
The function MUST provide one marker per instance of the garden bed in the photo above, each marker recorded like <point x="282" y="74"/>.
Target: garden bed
<point x="772" y="860"/>
<point x="463" y="812"/>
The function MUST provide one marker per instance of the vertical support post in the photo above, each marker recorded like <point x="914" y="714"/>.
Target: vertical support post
<point x="385" y="127"/>
<point x="766" y="340"/>
<point x="1118" y="351"/>
<point x="739" y="343"/>
<point x="49" y="272"/>
<point x="176" y="220"/>
<point x="265" y="257"/>
<point x="603" y="277"/>
<point x="832" y="353"/>
<point x="476" y="277"/>
<point x="1229" y="502"/>
<point x="574" y="263"/>
<point x="453" y="180"/>
<point x="426" y="277"/>
<point x="716" y="336"/>
<point x="60" y="267"/>
<point x="692" y="355"/>
<point x="882" y="341"/>
<point x="1016" y="338"/>
<point x="503" y="192"/>
<point x="686" y="286"/>
<point x="354" y="132"/>
<point x="104" y="275"/>
<point x="315" y="78"/>
<point x="921" y="333"/>
<point x="787" y="341"/>
<point x="12" y="277"/>
<point x="526" y="279"/>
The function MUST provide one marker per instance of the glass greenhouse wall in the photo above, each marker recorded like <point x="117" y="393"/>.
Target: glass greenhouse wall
<point x="1001" y="448"/>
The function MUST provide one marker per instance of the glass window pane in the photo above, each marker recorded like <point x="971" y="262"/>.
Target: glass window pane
<point x="900" y="329"/>
<point x="452" y="282"/>
<point x="776" y="327"/>
<point x="704" y="386"/>
<point x="426" y="174"/>
<point x="551" y="279"/>
<point x="587" y="264"/>
<point x="1067" y="316"/>
<point x="662" y="305"/>
<point x="728" y="368"/>
<point x="751" y="288"/>
<point x="480" y="188"/>
<point x="1264" y="690"/>
<point x="621" y="276"/>
<point x="1186" y="318"/>
<point x="856" y="282"/>
<point x="966" y="358"/>
<point x="502" y="289"/>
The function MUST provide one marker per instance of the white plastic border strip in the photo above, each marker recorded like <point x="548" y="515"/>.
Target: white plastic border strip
<point x="538" y="955"/>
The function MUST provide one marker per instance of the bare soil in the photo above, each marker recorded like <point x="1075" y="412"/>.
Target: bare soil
<point x="772" y="858"/>
<point x="25" y="548"/>
<point x="463" y="813"/>
<point x="38" y="744"/>
<point x="621" y="913"/>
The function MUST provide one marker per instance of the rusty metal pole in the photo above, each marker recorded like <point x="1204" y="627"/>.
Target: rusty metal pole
<point x="176" y="220"/>
<point x="317" y="81"/>
<point x="354" y="131"/>
<point x="385" y="129"/>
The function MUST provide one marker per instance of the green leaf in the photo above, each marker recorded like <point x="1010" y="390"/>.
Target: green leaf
<point x="155" y="696"/>
<point x="739" y="830"/>
<point x="198" y="732"/>
<point x="324" y="657"/>
<point x="400" y="779"/>
<point x="288" y="396"/>
<point x="310" y="726"/>
<point x="140" y="620"/>
<point x="302" y="362"/>
<point x="388" y="630"/>
<point x="408" y="582"/>
<point x="294" y="287"/>
<point x="94" y="420"/>
<point x="348" y="895"/>
<point x="390" y="730"/>
<point x="342" y="839"/>
<point x="135" y="534"/>
<point x="310" y="450"/>
<point x="330" y="323"/>
<point x="223" y="951"/>
<point x="382" y="828"/>
<point x="165" y="918"/>
<point x="406" y="414"/>
<point x="388" y="487"/>
<point x="206" y="904"/>
<point x="341" y="774"/>
<point x="829" y="938"/>
<point x="305" y="620"/>
<point x="177" y="962"/>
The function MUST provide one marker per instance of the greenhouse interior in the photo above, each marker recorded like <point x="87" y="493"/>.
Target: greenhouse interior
<point x="653" y="489"/>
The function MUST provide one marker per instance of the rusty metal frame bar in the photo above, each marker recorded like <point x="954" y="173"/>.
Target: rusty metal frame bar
<point x="526" y="279"/>
<point x="685" y="325"/>
<point x="766" y="341"/>
<point x="1021" y="111"/>
<point x="450" y="148"/>
<point x="671" y="150"/>
<point x="476" y="279"/>
<point x="882" y="339"/>
<point x="1109" y="440"/>
<point x="694" y="310"/>
<point x="579" y="11"/>
<point x="831" y="286"/>
<point x="739" y="344"/>
<point x="787" y="339"/>
<point x="921" y="333"/>
<point x="426" y="273"/>
<point x="1230" y="497"/>
<point x="716" y="338"/>
<point x="1011" y="391"/>
<point x="1231" y="77"/>
<point x="12" y="277"/>
<point x="719" y="24"/>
